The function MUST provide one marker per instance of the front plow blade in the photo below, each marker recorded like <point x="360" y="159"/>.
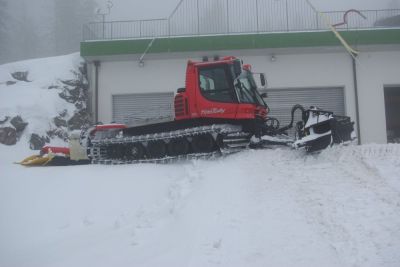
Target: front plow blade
<point x="36" y="160"/>
<point x="51" y="160"/>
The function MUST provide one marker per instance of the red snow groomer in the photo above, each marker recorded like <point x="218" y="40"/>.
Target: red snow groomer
<point x="219" y="111"/>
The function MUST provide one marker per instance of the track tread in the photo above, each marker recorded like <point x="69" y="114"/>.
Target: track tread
<point x="99" y="155"/>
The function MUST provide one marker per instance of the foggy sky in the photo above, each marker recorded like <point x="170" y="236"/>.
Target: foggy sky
<point x="29" y="30"/>
<point x="149" y="9"/>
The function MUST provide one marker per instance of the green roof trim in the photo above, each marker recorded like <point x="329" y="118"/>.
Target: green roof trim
<point x="234" y="42"/>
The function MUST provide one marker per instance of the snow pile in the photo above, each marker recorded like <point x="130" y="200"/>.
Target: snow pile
<point x="256" y="208"/>
<point x="36" y="97"/>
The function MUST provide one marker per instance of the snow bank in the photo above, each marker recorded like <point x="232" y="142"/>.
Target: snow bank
<point x="256" y="208"/>
<point x="35" y="101"/>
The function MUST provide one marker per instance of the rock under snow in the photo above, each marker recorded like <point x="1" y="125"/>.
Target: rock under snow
<point x="60" y="121"/>
<point x="4" y="120"/>
<point x="18" y="123"/>
<point x="38" y="102"/>
<point x="36" y="142"/>
<point x="8" y="136"/>
<point x="20" y="76"/>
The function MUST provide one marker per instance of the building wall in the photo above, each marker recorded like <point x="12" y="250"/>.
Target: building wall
<point x="126" y="77"/>
<point x="375" y="69"/>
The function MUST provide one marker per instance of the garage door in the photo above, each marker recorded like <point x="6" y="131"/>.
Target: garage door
<point x="134" y="109"/>
<point x="281" y="101"/>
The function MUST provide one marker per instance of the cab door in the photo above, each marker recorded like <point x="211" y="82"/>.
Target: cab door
<point x="216" y="95"/>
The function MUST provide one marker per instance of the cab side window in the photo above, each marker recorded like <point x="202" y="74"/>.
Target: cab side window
<point x="214" y="84"/>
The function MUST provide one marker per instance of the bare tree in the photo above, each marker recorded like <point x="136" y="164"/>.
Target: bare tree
<point x="69" y="18"/>
<point x="27" y="32"/>
<point x="18" y="32"/>
<point x="3" y="6"/>
<point x="394" y="4"/>
<point x="3" y="27"/>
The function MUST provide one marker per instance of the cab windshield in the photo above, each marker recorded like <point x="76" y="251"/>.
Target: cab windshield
<point x="246" y="89"/>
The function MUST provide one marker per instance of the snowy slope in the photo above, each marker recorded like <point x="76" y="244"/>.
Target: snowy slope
<point x="255" y="208"/>
<point x="35" y="101"/>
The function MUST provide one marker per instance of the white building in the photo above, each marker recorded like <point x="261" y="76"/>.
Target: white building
<point x="135" y="67"/>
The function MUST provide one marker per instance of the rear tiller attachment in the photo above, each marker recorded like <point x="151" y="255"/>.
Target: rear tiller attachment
<point x="317" y="130"/>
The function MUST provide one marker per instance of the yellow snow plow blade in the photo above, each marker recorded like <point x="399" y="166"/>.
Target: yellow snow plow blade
<point x="36" y="160"/>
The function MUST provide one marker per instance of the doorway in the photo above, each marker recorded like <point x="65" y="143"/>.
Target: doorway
<point x="392" y="110"/>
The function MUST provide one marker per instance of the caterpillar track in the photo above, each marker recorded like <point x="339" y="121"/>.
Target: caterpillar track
<point x="193" y="143"/>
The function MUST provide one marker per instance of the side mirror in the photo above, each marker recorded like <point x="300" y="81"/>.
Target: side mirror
<point x="264" y="95"/>
<point x="262" y="79"/>
<point x="237" y="67"/>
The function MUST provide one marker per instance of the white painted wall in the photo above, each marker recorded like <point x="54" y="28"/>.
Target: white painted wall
<point x="308" y="70"/>
<point x="375" y="69"/>
<point x="126" y="77"/>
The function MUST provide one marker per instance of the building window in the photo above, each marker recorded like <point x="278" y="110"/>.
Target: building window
<point x="392" y="110"/>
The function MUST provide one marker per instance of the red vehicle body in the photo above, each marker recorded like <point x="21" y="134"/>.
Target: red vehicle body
<point x="192" y="102"/>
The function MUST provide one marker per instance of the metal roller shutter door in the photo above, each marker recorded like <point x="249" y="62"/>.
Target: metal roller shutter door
<point x="134" y="109"/>
<point x="281" y="101"/>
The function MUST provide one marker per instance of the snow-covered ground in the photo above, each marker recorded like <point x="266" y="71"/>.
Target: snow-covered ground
<point x="254" y="208"/>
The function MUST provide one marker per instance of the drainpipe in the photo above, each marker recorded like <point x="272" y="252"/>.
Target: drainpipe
<point x="96" y="91"/>
<point x="353" y="59"/>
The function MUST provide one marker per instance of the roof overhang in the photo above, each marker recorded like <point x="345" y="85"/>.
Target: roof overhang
<point x="322" y="40"/>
